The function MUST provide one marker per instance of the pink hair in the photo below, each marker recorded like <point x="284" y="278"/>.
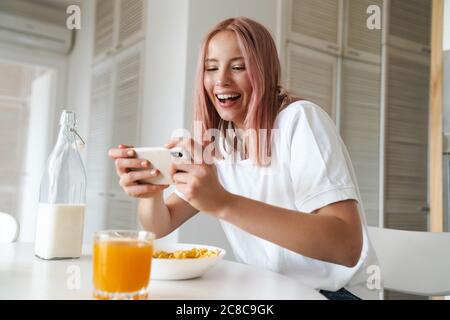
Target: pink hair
<point x="263" y="66"/>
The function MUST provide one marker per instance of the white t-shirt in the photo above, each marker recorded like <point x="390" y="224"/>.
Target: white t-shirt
<point x="310" y="168"/>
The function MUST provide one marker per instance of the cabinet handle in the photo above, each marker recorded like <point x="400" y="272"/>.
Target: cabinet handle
<point x="426" y="50"/>
<point x="424" y="209"/>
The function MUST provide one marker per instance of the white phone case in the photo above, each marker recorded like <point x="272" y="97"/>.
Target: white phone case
<point x="159" y="158"/>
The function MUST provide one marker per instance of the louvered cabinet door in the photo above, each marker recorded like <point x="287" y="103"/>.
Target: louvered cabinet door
<point x="98" y="163"/>
<point x="104" y="41"/>
<point x="131" y="22"/>
<point x="406" y="141"/>
<point x="360" y="129"/>
<point x="316" y="24"/>
<point x="410" y="25"/>
<point x="125" y="123"/>
<point x="361" y="43"/>
<point x="312" y="75"/>
<point x="127" y="97"/>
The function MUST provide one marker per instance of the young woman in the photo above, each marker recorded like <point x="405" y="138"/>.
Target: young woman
<point x="295" y="208"/>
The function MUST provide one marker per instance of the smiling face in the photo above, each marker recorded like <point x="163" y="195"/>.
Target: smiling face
<point x="226" y="79"/>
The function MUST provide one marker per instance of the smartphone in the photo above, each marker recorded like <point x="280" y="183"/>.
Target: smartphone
<point x="161" y="159"/>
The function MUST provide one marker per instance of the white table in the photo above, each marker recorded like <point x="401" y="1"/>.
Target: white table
<point x="24" y="276"/>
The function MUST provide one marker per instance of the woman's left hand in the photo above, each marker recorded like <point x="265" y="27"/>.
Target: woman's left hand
<point x="197" y="180"/>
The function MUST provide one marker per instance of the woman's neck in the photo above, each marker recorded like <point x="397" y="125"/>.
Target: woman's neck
<point x="237" y="125"/>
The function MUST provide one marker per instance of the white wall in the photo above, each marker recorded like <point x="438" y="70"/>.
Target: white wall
<point x="79" y="67"/>
<point x="165" y="71"/>
<point x="164" y="79"/>
<point x="446" y="77"/>
<point x="446" y="25"/>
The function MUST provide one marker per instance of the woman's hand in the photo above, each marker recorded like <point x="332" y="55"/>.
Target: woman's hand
<point x="197" y="182"/>
<point x="125" y="161"/>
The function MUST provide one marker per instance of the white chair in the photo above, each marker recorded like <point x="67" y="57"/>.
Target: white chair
<point x="9" y="228"/>
<point x="413" y="262"/>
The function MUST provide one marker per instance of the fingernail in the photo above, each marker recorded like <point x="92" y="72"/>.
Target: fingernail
<point x="144" y="163"/>
<point x="130" y="153"/>
<point x="154" y="172"/>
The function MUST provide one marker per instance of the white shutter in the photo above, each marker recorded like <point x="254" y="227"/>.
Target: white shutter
<point x="407" y="144"/>
<point x="127" y="98"/>
<point x="316" y="23"/>
<point x="360" y="118"/>
<point x="410" y="24"/>
<point x="104" y="27"/>
<point x="361" y="42"/>
<point x="98" y="142"/>
<point x="131" y="21"/>
<point x="312" y="75"/>
<point x="125" y="126"/>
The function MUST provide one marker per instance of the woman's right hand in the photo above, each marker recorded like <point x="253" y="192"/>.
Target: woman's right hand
<point x="125" y="160"/>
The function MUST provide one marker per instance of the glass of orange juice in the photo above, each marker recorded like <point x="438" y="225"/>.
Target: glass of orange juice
<point x="122" y="262"/>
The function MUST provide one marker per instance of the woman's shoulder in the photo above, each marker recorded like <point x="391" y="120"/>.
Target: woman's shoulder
<point x="305" y="125"/>
<point x="299" y="111"/>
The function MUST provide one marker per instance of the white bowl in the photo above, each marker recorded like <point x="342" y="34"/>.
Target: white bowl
<point x="178" y="269"/>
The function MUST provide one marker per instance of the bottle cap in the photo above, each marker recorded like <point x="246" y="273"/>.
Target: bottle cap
<point x="68" y="118"/>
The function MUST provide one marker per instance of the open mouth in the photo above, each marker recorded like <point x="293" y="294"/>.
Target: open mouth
<point x="227" y="99"/>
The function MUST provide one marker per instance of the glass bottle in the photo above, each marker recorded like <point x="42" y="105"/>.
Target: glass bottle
<point x="62" y="197"/>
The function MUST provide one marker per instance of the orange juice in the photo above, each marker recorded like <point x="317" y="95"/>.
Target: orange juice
<point x="121" y="266"/>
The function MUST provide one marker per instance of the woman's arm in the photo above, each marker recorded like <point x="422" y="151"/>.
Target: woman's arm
<point x="164" y="217"/>
<point x="332" y="233"/>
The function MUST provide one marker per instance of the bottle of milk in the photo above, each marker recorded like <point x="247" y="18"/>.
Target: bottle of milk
<point x="62" y="198"/>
